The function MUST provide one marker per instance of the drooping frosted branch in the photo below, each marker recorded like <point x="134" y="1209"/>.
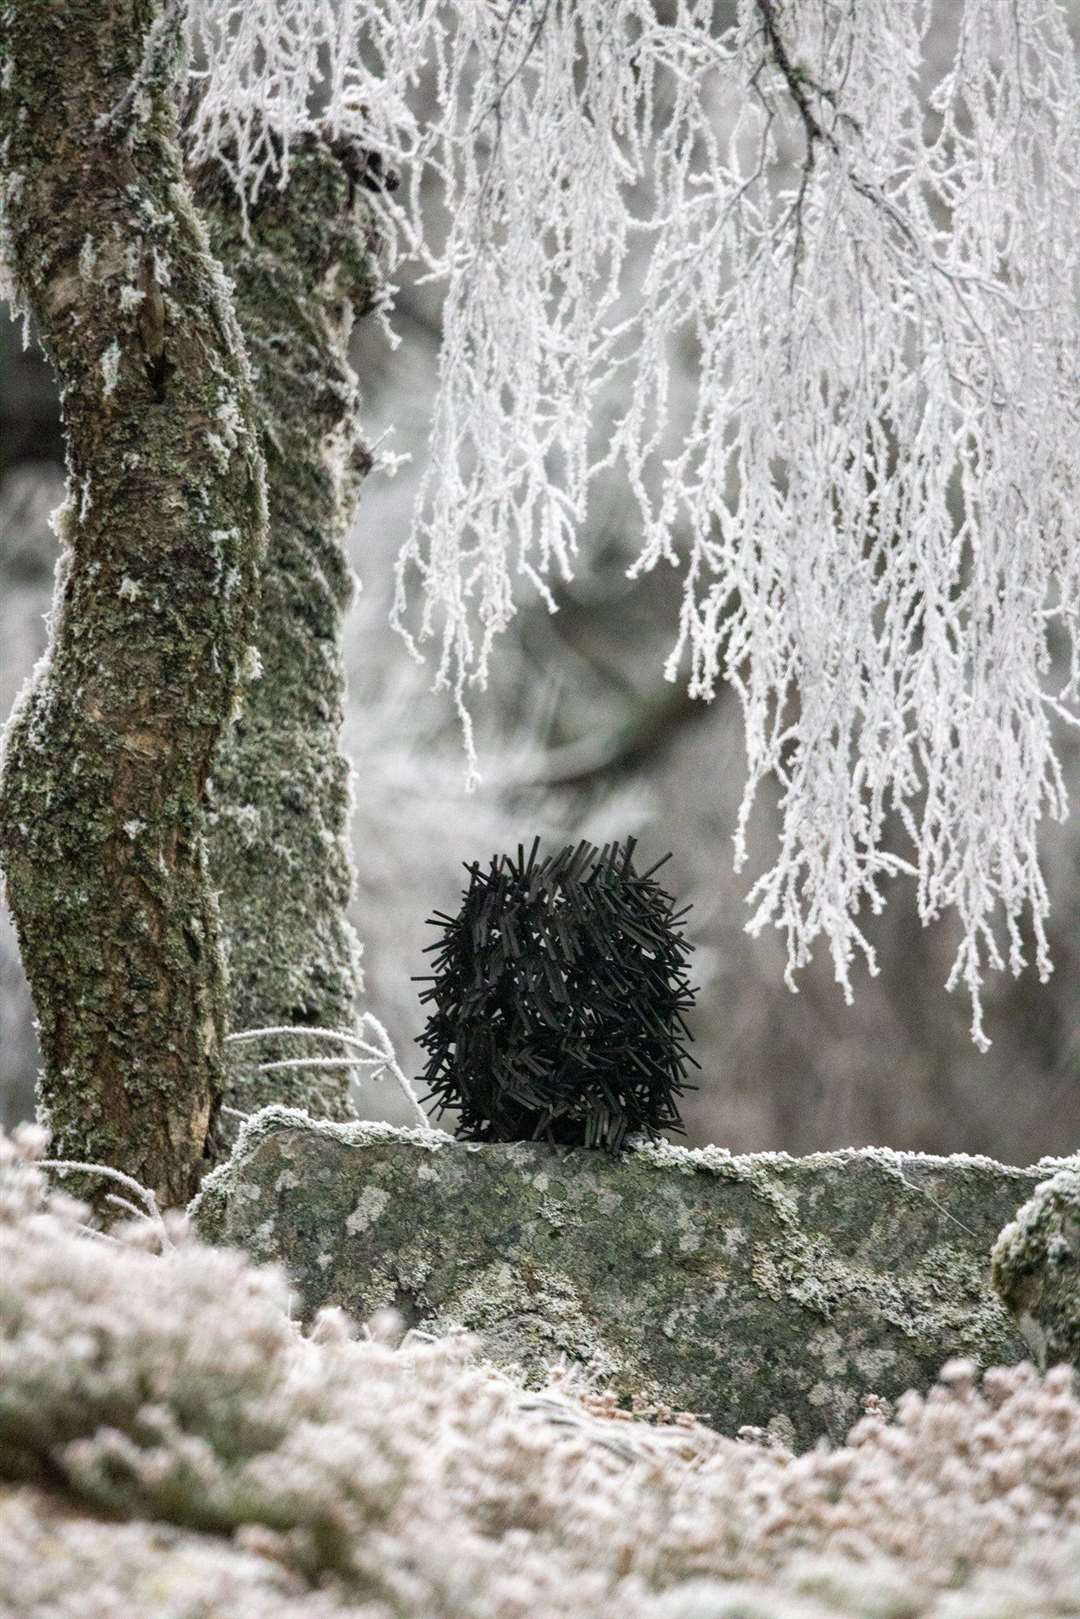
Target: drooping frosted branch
<point x="805" y="277"/>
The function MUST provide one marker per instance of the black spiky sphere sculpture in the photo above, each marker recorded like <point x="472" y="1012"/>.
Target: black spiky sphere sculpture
<point x="557" y="1001"/>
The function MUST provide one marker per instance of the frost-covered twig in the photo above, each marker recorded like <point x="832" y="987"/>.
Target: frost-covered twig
<point x="378" y="1058"/>
<point x="151" y="1210"/>
<point x="343" y="1035"/>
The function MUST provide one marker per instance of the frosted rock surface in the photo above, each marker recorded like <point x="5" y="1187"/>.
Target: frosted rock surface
<point x="1036" y="1271"/>
<point x="762" y="1290"/>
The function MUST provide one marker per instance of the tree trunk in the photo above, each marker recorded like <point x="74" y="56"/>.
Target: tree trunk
<point x="279" y="798"/>
<point x="107" y="754"/>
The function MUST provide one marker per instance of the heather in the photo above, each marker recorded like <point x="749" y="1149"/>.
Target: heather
<point x="173" y="1441"/>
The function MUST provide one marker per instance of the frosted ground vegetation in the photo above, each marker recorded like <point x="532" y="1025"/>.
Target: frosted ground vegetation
<point x="168" y="1434"/>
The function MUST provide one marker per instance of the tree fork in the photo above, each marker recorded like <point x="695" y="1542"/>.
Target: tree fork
<point x="109" y="749"/>
<point x="303" y="268"/>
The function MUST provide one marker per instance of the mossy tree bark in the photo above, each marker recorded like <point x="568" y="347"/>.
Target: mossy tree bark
<point x="107" y="755"/>
<point x="279" y="797"/>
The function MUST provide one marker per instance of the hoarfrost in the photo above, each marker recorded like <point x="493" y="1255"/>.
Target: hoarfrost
<point x="867" y="248"/>
<point x="178" y="1424"/>
<point x="110" y="368"/>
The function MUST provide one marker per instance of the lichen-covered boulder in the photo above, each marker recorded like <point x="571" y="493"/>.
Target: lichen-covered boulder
<point x="762" y="1290"/>
<point x="1036" y="1268"/>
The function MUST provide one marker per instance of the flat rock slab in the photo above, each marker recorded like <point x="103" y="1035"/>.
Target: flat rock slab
<point x="756" y="1290"/>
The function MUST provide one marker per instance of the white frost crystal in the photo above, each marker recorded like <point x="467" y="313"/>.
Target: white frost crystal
<point x="806" y="280"/>
<point x="110" y="368"/>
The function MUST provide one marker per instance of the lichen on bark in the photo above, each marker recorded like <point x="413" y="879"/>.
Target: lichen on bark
<point x="302" y="263"/>
<point x="108" y="751"/>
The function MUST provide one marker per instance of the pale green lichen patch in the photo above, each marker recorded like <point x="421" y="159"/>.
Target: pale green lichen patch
<point x="371" y="1204"/>
<point x="745" y="1288"/>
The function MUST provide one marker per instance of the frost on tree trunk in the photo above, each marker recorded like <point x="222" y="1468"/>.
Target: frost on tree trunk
<point x="279" y="795"/>
<point x="107" y="755"/>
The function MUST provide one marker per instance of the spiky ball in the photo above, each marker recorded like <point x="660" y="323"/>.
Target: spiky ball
<point x="558" y="997"/>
